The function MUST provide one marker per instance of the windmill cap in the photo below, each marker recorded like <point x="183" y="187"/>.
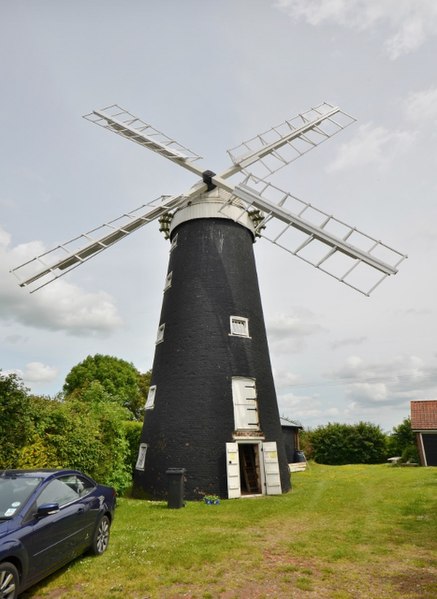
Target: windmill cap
<point x="217" y="203"/>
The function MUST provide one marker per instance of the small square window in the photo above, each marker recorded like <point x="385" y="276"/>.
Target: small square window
<point x="160" y="335"/>
<point x="150" y="398"/>
<point x="141" y="460"/>
<point x="239" y="326"/>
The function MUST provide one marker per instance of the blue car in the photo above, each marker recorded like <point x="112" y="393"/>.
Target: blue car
<point x="47" y="518"/>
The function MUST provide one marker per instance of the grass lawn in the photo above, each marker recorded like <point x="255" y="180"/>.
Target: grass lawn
<point x="342" y="532"/>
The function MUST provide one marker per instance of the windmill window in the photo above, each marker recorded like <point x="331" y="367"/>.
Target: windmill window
<point x="239" y="326"/>
<point x="141" y="460"/>
<point x="245" y="404"/>
<point x="150" y="398"/>
<point x="168" y="280"/>
<point x="174" y="242"/>
<point x="160" y="335"/>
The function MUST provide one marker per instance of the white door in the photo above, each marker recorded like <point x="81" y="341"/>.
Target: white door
<point x="271" y="468"/>
<point x="245" y="403"/>
<point x="233" y="470"/>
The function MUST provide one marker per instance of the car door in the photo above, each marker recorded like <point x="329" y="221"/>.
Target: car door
<point x="91" y="505"/>
<point x="52" y="540"/>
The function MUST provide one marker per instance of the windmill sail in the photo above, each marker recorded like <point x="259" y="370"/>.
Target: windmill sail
<point x="54" y="263"/>
<point x="340" y="250"/>
<point x="127" y="125"/>
<point x="270" y="151"/>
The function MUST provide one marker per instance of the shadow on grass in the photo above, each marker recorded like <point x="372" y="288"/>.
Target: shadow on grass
<point x="34" y="591"/>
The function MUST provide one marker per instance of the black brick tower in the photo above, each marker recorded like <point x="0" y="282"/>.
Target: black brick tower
<point x="211" y="277"/>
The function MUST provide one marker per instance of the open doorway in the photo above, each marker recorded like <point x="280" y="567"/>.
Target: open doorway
<point x="250" y="477"/>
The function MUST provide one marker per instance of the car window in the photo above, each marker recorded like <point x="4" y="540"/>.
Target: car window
<point x="57" y="491"/>
<point x="85" y="486"/>
<point x="80" y="484"/>
<point x="14" y="492"/>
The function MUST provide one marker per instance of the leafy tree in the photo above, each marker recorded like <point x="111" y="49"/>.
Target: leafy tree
<point x="338" y="444"/>
<point x="145" y="380"/>
<point x="14" y="419"/>
<point x="402" y="442"/>
<point x="123" y="383"/>
<point x="401" y="437"/>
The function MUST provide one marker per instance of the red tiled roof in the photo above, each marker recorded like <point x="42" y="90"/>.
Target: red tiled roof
<point x="424" y="414"/>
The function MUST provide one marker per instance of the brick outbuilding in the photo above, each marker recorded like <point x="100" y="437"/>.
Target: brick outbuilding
<point x="424" y="424"/>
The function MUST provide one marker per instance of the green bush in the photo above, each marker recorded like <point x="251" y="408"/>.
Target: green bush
<point x="410" y="454"/>
<point x="305" y="444"/>
<point x="337" y="444"/>
<point x="90" y="430"/>
<point x="132" y="431"/>
<point x="15" y="424"/>
<point x="86" y="433"/>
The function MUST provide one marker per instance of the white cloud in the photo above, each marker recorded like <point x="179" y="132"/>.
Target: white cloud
<point x="15" y="338"/>
<point x="285" y="379"/>
<point x="392" y="382"/>
<point x="287" y="332"/>
<point x="368" y="392"/>
<point x="348" y="341"/>
<point x="371" y="145"/>
<point x="36" y="372"/>
<point x="407" y="24"/>
<point x="421" y="107"/>
<point x="307" y="408"/>
<point x="61" y="306"/>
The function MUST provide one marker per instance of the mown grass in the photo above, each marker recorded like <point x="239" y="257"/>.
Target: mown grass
<point x="343" y="532"/>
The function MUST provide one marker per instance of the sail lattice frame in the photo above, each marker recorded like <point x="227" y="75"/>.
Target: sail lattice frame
<point x="127" y="125"/>
<point x="268" y="152"/>
<point x="46" y="267"/>
<point x="327" y="243"/>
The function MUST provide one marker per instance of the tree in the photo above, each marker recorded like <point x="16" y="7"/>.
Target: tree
<point x="337" y="444"/>
<point x="402" y="441"/>
<point x="123" y="383"/>
<point x="15" y="423"/>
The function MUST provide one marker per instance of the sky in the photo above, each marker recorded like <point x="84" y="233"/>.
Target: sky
<point x="210" y="75"/>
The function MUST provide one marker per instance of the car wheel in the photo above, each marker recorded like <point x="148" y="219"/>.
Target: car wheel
<point x="9" y="581"/>
<point x="101" y="536"/>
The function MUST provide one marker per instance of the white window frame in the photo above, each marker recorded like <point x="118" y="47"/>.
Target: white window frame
<point x="239" y="326"/>
<point x="141" y="460"/>
<point x="150" y="403"/>
<point x="245" y="401"/>
<point x="160" y="334"/>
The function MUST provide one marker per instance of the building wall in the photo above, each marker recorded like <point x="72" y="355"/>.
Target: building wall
<point x="427" y="446"/>
<point x="291" y="442"/>
<point x="213" y="277"/>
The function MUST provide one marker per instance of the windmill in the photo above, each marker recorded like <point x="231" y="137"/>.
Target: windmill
<point x="212" y="406"/>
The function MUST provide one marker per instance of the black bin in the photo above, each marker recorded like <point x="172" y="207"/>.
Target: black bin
<point x="175" y="477"/>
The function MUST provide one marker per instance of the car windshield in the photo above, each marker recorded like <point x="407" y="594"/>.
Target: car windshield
<point x="14" y="492"/>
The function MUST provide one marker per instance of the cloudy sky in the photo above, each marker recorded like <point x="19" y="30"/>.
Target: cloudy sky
<point x="212" y="74"/>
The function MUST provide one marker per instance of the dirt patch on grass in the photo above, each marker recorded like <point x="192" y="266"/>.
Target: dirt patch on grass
<point x="417" y="584"/>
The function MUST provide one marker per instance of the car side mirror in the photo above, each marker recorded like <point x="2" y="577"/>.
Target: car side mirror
<point x="47" y="509"/>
